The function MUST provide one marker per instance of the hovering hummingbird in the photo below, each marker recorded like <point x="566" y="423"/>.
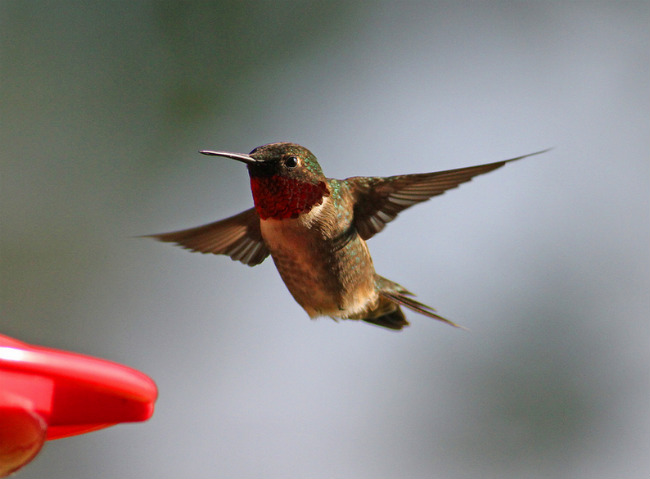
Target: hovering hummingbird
<point x="315" y="229"/>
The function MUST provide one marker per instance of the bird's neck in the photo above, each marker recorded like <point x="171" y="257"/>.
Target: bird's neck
<point x="279" y="197"/>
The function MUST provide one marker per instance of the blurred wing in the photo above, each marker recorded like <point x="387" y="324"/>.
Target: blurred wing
<point x="379" y="200"/>
<point x="238" y="237"/>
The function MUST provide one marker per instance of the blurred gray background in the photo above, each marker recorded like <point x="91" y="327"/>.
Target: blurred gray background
<point x="547" y="261"/>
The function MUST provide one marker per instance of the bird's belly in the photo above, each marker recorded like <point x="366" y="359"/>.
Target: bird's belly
<point x="324" y="278"/>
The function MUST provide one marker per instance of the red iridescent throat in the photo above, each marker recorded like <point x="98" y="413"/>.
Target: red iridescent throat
<point x="279" y="197"/>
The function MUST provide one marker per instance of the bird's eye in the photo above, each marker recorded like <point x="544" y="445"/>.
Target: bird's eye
<point x="291" y="161"/>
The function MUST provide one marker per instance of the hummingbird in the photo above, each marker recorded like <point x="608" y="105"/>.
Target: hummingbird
<point x="315" y="228"/>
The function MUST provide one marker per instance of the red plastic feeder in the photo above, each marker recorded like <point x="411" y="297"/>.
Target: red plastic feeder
<point x="49" y="394"/>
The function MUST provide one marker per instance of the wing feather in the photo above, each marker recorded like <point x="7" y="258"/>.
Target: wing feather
<point x="238" y="237"/>
<point x="379" y="200"/>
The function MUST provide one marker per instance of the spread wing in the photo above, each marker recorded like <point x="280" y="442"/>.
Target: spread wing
<point x="238" y="237"/>
<point x="379" y="200"/>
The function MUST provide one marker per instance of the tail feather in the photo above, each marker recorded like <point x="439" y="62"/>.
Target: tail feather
<point x="400" y="296"/>
<point x="394" y="320"/>
<point x="416" y="306"/>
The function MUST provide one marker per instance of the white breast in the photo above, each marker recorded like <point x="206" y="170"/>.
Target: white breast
<point x="309" y="266"/>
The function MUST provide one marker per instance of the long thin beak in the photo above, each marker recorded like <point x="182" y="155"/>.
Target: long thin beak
<point x="233" y="156"/>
